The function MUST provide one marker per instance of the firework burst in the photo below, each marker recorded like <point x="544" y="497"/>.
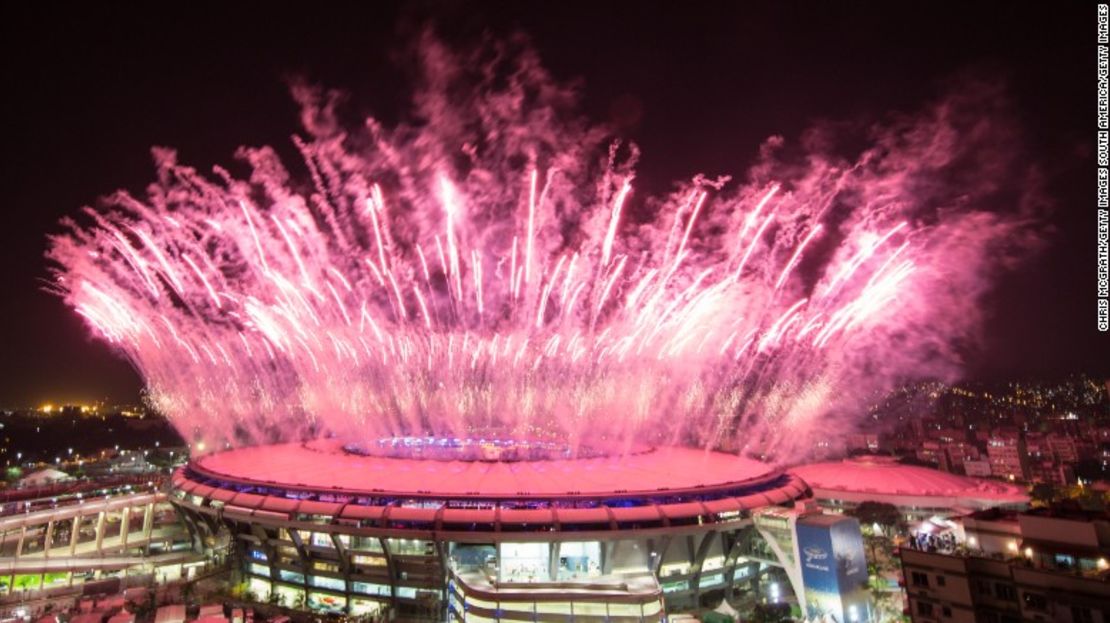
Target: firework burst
<point x="493" y="266"/>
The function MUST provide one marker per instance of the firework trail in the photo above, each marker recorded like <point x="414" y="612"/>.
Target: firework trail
<point x="491" y="267"/>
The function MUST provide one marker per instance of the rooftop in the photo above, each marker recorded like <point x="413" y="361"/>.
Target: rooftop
<point x="658" y="488"/>
<point x="885" y="476"/>
<point x="1068" y="511"/>
<point x="324" y="465"/>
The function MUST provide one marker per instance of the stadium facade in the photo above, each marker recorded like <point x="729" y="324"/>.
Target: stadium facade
<point x="502" y="535"/>
<point x="59" y="543"/>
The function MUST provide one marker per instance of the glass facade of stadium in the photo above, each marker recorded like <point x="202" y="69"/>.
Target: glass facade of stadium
<point x="614" y="557"/>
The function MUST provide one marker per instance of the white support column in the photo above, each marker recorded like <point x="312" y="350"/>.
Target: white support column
<point x="793" y="571"/>
<point x="46" y="542"/>
<point x="124" y="525"/>
<point x="19" y="545"/>
<point x="100" y="531"/>
<point x="148" y="520"/>
<point x="608" y="552"/>
<point x="78" y="521"/>
<point x="553" y="553"/>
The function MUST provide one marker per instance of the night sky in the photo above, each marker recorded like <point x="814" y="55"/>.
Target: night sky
<point x="698" y="85"/>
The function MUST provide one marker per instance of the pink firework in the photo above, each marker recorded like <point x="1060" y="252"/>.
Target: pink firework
<point x="494" y="267"/>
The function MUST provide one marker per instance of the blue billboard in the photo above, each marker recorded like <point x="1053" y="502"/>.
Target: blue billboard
<point x="834" y="568"/>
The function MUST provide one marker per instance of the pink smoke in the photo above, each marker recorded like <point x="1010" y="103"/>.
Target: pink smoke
<point x="490" y="265"/>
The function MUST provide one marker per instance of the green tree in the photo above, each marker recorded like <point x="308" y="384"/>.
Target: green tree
<point x="771" y="613"/>
<point x="881" y="514"/>
<point x="1044" y="492"/>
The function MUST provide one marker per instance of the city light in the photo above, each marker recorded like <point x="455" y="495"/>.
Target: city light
<point x="778" y="351"/>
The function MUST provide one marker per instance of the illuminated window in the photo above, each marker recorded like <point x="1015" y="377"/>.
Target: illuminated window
<point x="370" y="589"/>
<point x="291" y="576"/>
<point x="325" y="582"/>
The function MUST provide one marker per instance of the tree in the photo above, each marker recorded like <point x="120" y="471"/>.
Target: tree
<point x="1044" y="492"/>
<point x="884" y="515"/>
<point x="771" y="613"/>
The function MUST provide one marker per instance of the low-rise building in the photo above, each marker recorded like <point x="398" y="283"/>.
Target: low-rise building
<point x="964" y="589"/>
<point x="977" y="468"/>
<point x="1008" y="456"/>
<point x="1058" y="474"/>
<point x="1064" y="448"/>
<point x="1047" y="564"/>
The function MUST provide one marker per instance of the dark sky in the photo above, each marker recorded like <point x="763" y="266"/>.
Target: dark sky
<point x="94" y="88"/>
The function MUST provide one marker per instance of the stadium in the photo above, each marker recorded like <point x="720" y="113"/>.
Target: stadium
<point x="485" y="529"/>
